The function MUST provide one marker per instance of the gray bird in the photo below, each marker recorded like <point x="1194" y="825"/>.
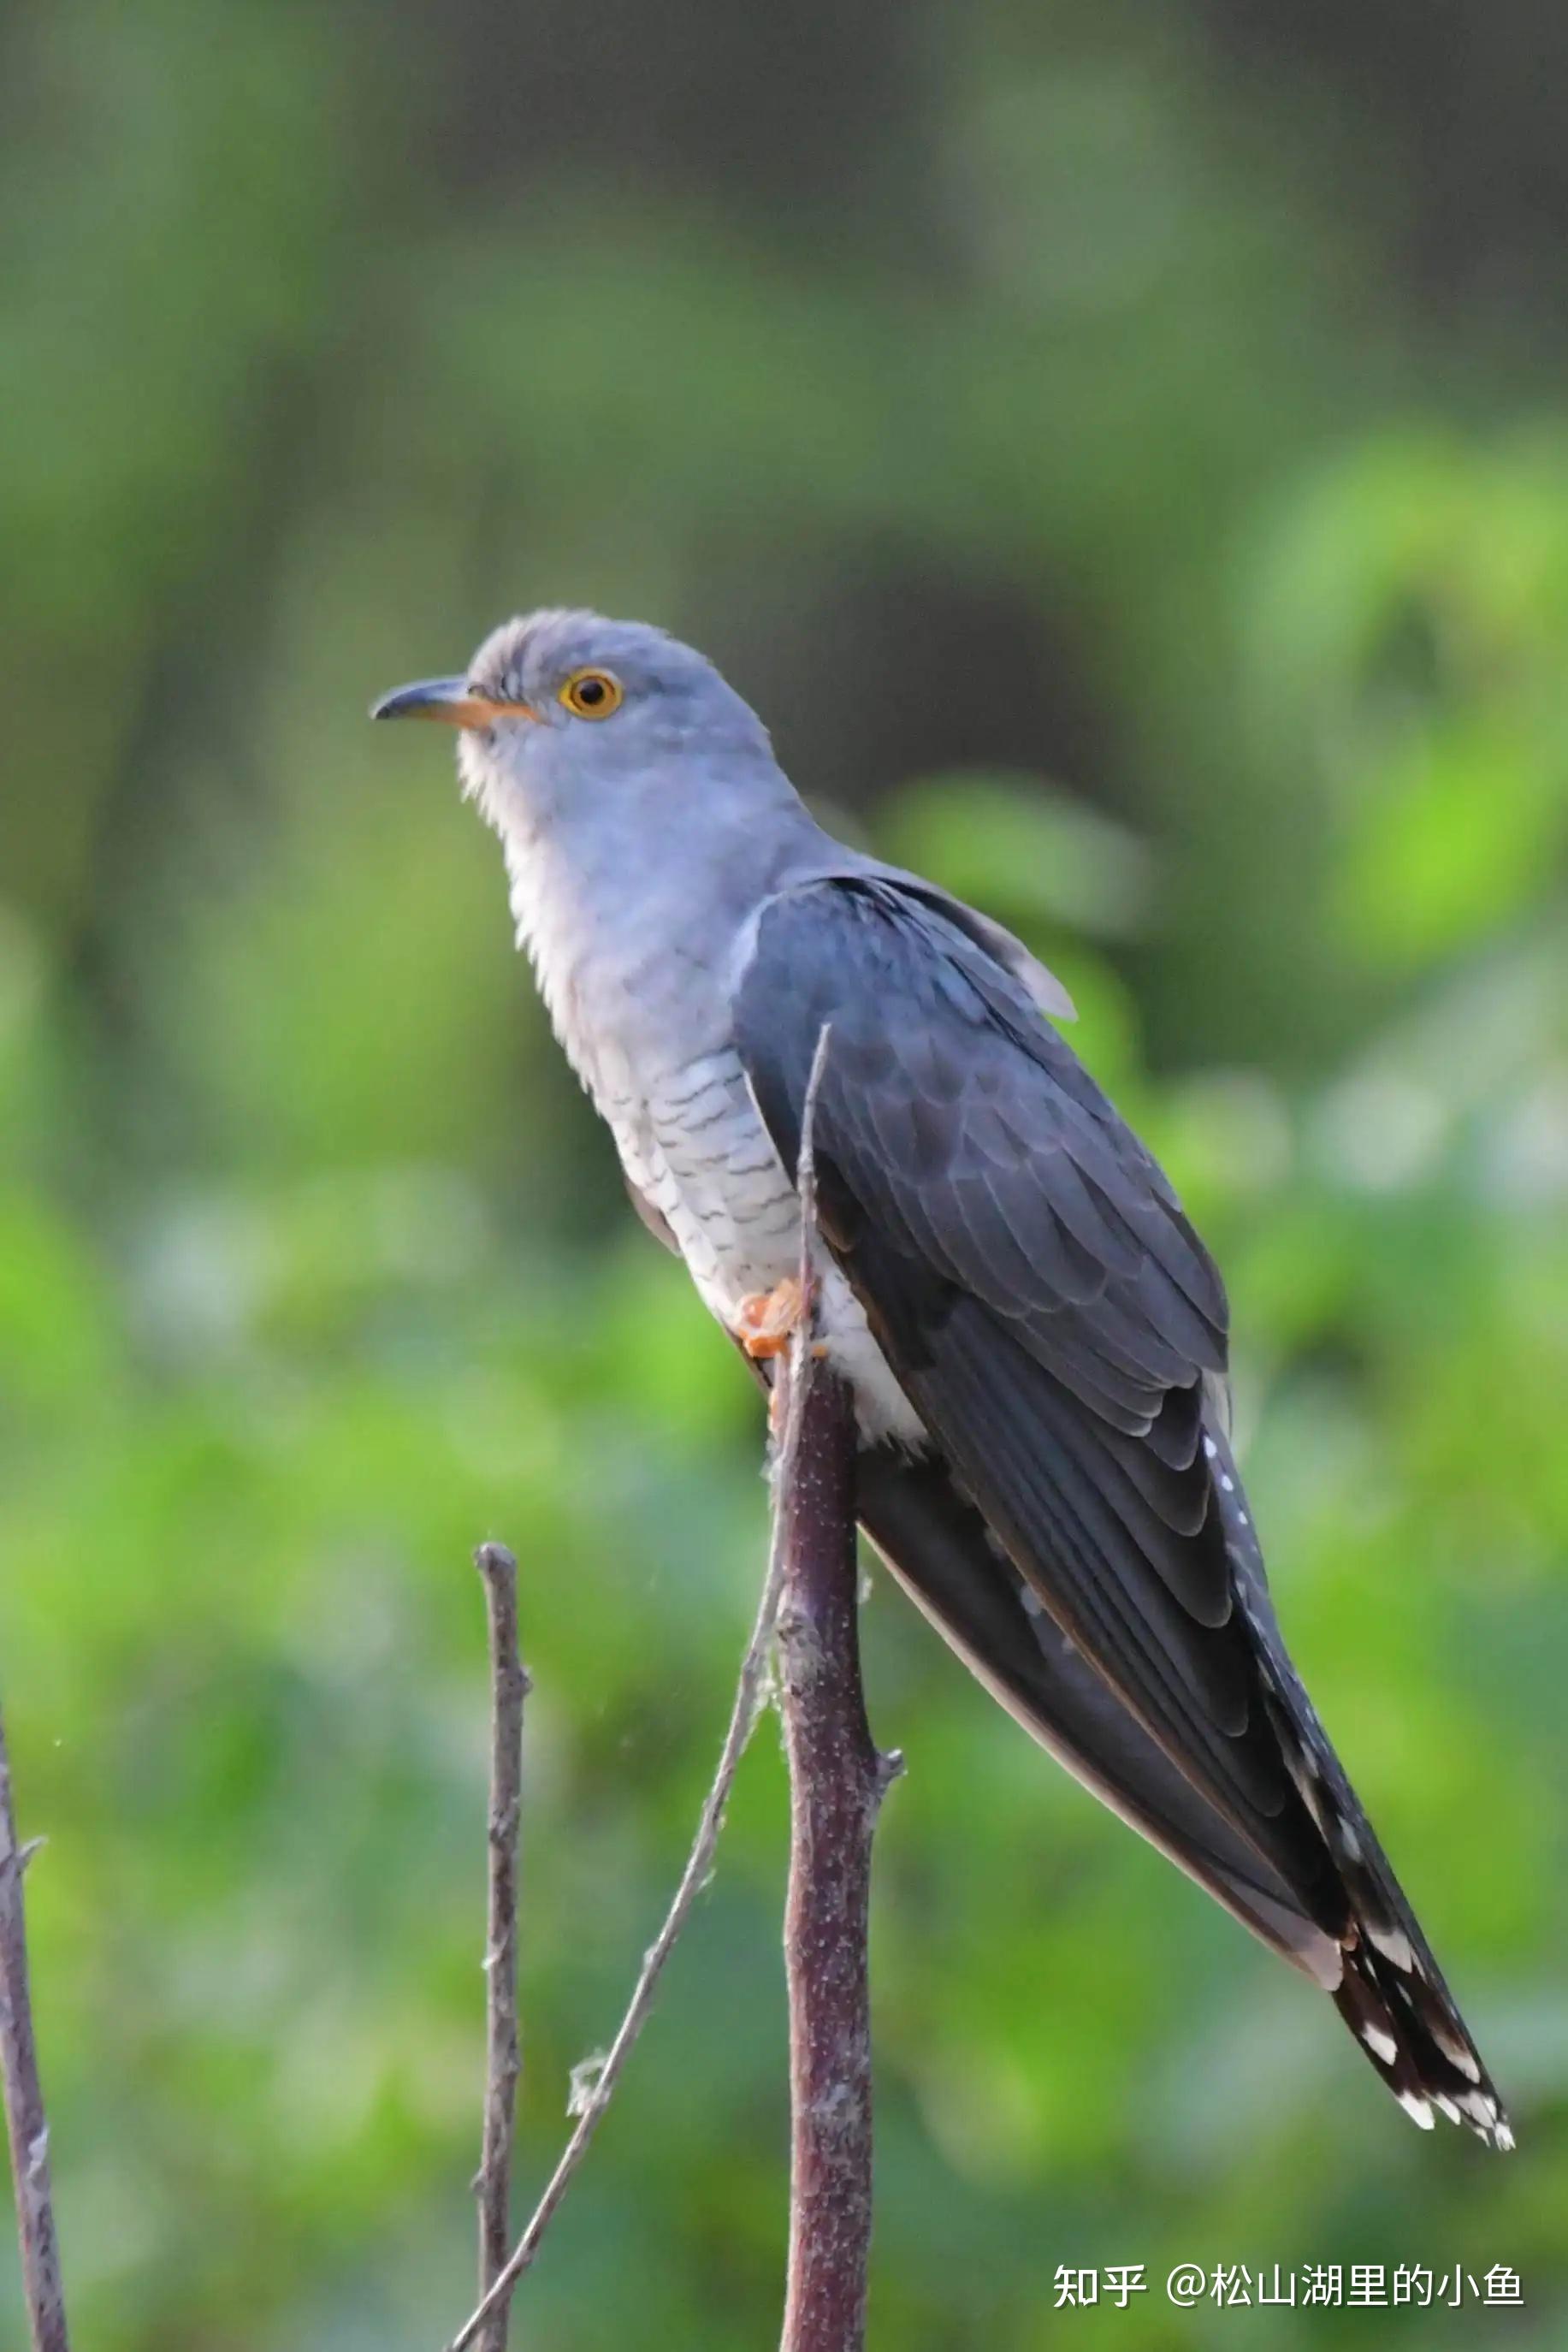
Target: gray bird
<point x="1034" y="1336"/>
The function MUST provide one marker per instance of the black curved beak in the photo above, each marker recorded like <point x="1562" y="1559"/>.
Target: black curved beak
<point x="449" y="699"/>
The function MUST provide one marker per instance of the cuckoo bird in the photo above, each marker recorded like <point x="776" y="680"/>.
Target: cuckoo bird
<point x="1032" y="1332"/>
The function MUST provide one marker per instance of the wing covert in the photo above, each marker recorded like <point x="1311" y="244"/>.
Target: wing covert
<point x="957" y="1123"/>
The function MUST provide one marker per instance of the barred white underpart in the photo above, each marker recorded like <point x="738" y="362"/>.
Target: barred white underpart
<point x="696" y="1147"/>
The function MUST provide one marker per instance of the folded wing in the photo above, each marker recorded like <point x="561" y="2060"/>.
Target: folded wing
<point x="1061" y="1331"/>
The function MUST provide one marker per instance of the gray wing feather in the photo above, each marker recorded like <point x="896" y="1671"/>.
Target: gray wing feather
<point x="1044" y="1303"/>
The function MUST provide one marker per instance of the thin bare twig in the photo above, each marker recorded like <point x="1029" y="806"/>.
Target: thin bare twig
<point x="743" y="1718"/>
<point x="837" y="1781"/>
<point x="26" y="2121"/>
<point x="502" y="2057"/>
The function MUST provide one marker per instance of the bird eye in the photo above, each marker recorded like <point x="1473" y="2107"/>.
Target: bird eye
<point x="591" y="693"/>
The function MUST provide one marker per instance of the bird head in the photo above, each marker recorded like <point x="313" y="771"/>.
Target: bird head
<point x="562" y="713"/>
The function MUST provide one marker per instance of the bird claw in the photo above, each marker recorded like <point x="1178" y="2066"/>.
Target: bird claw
<point x="765" y="1322"/>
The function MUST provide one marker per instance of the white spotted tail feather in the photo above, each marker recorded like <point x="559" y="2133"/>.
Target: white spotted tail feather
<point x="1394" y="2000"/>
<point x="1391" y="1993"/>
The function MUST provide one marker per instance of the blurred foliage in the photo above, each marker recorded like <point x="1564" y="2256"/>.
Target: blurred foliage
<point x="1106" y="443"/>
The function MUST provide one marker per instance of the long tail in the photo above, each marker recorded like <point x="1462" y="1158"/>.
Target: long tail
<point x="1375" y="1962"/>
<point x="1392" y="1994"/>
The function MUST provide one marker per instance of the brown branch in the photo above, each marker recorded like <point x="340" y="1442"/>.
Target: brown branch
<point x="595" y="2100"/>
<point x="837" y="1781"/>
<point x="503" y="2059"/>
<point x="26" y="2121"/>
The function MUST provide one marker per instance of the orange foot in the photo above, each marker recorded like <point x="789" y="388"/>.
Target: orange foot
<point x="765" y="1320"/>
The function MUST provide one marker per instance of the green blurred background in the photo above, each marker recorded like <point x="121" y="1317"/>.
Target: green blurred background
<point x="1123" y="450"/>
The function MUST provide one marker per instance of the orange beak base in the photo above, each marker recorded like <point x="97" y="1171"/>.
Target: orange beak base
<point x="449" y="701"/>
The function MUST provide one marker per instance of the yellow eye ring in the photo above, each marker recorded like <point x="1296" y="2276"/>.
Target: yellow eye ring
<point x="591" y="694"/>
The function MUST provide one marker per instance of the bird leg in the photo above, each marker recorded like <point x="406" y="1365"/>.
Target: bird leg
<point x="765" y="1322"/>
